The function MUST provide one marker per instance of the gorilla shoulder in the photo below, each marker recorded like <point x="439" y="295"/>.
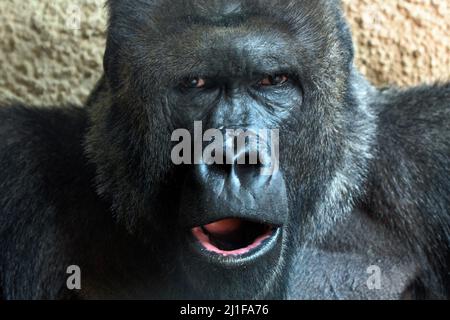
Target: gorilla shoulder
<point x="407" y="191"/>
<point x="409" y="180"/>
<point x="39" y="143"/>
<point x="42" y="172"/>
<point x="417" y="113"/>
<point x="414" y="139"/>
<point x="40" y="154"/>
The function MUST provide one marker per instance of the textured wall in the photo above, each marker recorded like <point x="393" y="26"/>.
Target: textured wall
<point x="401" y="42"/>
<point x="51" y="50"/>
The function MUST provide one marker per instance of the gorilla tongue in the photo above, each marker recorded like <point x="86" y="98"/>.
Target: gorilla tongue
<point x="223" y="227"/>
<point x="232" y="236"/>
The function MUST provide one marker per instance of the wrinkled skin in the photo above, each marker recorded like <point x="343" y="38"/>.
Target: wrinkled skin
<point x="362" y="177"/>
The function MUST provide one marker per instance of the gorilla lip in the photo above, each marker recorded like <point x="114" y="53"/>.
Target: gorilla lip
<point x="232" y="237"/>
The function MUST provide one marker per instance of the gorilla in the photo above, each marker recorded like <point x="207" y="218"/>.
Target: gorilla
<point x="358" y="209"/>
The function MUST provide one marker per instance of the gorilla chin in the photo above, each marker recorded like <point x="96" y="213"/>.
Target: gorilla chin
<point x="235" y="220"/>
<point x="237" y="252"/>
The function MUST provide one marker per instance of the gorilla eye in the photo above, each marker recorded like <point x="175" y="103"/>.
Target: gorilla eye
<point x="193" y="83"/>
<point x="274" y="80"/>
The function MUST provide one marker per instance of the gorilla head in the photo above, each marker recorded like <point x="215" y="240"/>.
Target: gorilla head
<point x="227" y="231"/>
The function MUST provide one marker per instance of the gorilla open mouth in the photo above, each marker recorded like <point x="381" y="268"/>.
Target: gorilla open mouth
<point x="232" y="237"/>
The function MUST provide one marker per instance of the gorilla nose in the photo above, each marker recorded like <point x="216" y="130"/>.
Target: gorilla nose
<point x="234" y="186"/>
<point x="245" y="167"/>
<point x="241" y="161"/>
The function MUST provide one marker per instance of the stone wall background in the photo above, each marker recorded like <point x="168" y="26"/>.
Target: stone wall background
<point x="51" y="50"/>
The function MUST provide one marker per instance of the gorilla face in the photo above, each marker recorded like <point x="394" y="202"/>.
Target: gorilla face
<point x="227" y="230"/>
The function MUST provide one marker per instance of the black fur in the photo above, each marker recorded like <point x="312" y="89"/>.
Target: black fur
<point x="365" y="170"/>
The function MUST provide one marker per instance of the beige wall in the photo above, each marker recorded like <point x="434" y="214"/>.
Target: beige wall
<point x="44" y="60"/>
<point x="401" y="42"/>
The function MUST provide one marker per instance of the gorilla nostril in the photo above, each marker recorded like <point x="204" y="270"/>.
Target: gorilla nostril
<point x="222" y="168"/>
<point x="247" y="172"/>
<point x="244" y="164"/>
<point x="250" y="159"/>
<point x="248" y="166"/>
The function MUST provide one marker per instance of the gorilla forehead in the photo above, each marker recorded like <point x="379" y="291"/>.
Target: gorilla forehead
<point x="173" y="16"/>
<point x="221" y="8"/>
<point x="179" y="38"/>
